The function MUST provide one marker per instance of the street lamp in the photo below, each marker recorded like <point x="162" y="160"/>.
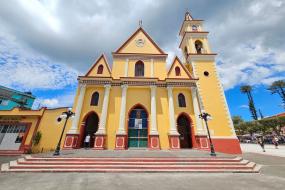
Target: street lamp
<point x="65" y="115"/>
<point x="205" y="116"/>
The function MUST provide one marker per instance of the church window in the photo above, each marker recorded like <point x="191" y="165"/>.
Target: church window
<point x="181" y="100"/>
<point x="185" y="52"/>
<point x="100" y="69"/>
<point x="177" y="71"/>
<point x="139" y="69"/>
<point x="199" y="46"/>
<point x="194" y="28"/>
<point x="206" y="73"/>
<point x="95" y="99"/>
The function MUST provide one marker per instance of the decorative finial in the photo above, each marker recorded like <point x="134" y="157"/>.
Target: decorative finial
<point x="140" y="23"/>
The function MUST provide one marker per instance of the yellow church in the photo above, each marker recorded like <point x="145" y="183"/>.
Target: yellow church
<point x="140" y="103"/>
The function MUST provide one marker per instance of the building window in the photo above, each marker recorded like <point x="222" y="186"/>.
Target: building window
<point x="139" y="69"/>
<point x="199" y="47"/>
<point x="185" y="52"/>
<point x="95" y="99"/>
<point x="100" y="69"/>
<point x="194" y="28"/>
<point x="177" y="71"/>
<point x="4" y="102"/>
<point x="181" y="100"/>
<point x="206" y="73"/>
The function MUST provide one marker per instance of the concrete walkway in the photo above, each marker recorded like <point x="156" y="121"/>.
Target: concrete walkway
<point x="270" y="149"/>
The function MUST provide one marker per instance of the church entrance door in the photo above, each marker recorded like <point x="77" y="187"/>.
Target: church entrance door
<point x="91" y="127"/>
<point x="184" y="129"/>
<point x="137" y="128"/>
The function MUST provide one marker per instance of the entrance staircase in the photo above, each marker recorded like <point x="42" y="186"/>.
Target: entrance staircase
<point x="131" y="164"/>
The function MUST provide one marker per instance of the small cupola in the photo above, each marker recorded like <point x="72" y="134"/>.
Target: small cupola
<point x="188" y="16"/>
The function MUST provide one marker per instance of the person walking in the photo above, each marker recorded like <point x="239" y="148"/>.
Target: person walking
<point x="87" y="141"/>
<point x="261" y="143"/>
<point x="275" y="141"/>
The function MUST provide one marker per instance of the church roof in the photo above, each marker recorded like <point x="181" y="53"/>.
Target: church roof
<point x="104" y="61"/>
<point x="140" y="29"/>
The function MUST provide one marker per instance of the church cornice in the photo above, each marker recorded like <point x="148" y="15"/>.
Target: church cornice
<point x="201" y="57"/>
<point x="134" y="81"/>
<point x="139" y="55"/>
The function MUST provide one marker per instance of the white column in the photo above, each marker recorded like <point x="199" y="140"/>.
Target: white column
<point x="126" y="68"/>
<point x="102" y="124"/>
<point x="153" y="111"/>
<point x="151" y="68"/>
<point x="197" y="111"/>
<point x="75" y="122"/>
<point x="172" y="130"/>
<point x="122" y="130"/>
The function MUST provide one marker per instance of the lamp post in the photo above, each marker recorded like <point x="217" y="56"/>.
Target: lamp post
<point x="65" y="115"/>
<point x="205" y="116"/>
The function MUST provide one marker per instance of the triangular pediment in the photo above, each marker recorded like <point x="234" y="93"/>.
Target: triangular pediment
<point x="178" y="66"/>
<point x="141" y="43"/>
<point x="93" y="71"/>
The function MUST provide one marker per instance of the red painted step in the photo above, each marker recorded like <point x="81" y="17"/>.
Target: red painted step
<point x="114" y="164"/>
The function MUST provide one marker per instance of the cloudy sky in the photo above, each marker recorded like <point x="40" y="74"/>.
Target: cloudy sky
<point x="45" y="45"/>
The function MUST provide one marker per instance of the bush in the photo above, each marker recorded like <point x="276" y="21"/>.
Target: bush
<point x="37" y="138"/>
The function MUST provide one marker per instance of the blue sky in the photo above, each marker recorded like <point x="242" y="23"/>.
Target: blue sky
<point x="267" y="103"/>
<point x="45" y="45"/>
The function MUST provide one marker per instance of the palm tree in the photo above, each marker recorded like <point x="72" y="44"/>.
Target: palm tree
<point x="278" y="87"/>
<point x="246" y="89"/>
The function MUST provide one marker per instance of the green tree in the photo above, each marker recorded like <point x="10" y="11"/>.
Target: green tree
<point x="240" y="129"/>
<point x="246" y="89"/>
<point x="237" y="120"/>
<point x="273" y="124"/>
<point x="278" y="87"/>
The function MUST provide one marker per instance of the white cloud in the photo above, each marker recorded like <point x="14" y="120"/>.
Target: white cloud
<point x="65" y="100"/>
<point x="73" y="33"/>
<point x="24" y="70"/>
<point x="243" y="106"/>
<point x="249" y="43"/>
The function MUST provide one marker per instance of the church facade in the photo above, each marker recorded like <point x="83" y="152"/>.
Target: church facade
<point x="138" y="104"/>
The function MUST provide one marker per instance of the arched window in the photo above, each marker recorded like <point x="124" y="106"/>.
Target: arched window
<point x="181" y="100"/>
<point x="199" y="46"/>
<point x="177" y="71"/>
<point x="95" y="99"/>
<point x="139" y="69"/>
<point x="185" y="52"/>
<point x="194" y="28"/>
<point x="100" y="69"/>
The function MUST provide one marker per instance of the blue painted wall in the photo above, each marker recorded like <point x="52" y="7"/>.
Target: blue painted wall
<point x="9" y="104"/>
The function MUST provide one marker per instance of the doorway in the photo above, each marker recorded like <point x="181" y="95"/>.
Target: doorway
<point x="91" y="127"/>
<point x="184" y="129"/>
<point x="137" y="128"/>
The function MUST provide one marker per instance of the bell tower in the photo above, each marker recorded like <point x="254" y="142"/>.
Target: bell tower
<point x="200" y="60"/>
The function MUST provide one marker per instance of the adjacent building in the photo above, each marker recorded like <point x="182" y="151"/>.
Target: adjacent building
<point x="10" y="98"/>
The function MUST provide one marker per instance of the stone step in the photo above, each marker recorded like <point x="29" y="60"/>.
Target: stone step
<point x="104" y="170"/>
<point x="96" y="164"/>
<point x="132" y="159"/>
<point x="23" y="162"/>
<point x="10" y="153"/>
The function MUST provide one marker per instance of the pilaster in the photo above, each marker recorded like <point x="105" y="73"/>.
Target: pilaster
<point x="121" y="133"/>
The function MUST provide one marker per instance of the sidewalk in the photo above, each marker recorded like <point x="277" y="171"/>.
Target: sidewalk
<point x="270" y="149"/>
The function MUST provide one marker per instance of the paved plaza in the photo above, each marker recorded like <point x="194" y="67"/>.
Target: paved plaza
<point x="272" y="175"/>
<point x="269" y="149"/>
